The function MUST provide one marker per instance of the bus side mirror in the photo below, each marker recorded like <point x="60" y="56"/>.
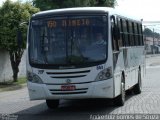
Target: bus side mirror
<point x="19" y="34"/>
<point x="116" y="33"/>
<point x="24" y="23"/>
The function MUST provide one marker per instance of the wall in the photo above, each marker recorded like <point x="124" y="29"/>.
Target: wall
<point x="5" y="66"/>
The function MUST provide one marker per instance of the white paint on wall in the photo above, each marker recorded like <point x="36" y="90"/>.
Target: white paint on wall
<point x="5" y="66"/>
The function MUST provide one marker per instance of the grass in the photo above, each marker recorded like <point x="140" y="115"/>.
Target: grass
<point x="21" y="81"/>
<point x="10" y="85"/>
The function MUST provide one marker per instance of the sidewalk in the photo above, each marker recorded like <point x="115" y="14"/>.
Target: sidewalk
<point x="13" y="87"/>
<point x="152" y="55"/>
<point x="153" y="60"/>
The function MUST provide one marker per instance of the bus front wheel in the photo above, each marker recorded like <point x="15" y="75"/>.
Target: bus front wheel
<point x="52" y="103"/>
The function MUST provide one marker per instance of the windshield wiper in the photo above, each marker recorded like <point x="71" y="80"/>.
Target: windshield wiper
<point x="72" y="58"/>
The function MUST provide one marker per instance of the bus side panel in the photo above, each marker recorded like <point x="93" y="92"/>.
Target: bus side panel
<point x="135" y="60"/>
<point x="128" y="60"/>
<point x="118" y="63"/>
<point x="132" y="66"/>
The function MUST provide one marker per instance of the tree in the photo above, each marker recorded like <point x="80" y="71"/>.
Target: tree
<point x="109" y="3"/>
<point x="54" y="4"/>
<point x="11" y="15"/>
<point x="149" y="33"/>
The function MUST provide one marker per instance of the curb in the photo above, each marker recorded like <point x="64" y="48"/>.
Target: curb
<point x="13" y="87"/>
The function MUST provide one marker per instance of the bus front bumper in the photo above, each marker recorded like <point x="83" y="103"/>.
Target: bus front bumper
<point x="99" y="89"/>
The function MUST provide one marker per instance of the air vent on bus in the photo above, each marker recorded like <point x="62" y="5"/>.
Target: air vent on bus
<point x="71" y="74"/>
<point x="76" y="91"/>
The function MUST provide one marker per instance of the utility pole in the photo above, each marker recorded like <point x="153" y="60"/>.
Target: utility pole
<point x="153" y="47"/>
<point x="153" y="23"/>
<point x="153" y="38"/>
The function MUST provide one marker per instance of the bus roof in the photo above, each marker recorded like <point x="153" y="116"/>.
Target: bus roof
<point x="85" y="10"/>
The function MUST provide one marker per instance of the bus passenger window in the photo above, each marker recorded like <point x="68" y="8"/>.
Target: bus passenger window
<point x="125" y="32"/>
<point x="131" y="33"/>
<point x="136" y="34"/>
<point x="114" y="42"/>
<point x="140" y="34"/>
<point x="119" y="23"/>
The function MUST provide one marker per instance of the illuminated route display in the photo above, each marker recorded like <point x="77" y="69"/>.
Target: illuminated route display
<point x="68" y="23"/>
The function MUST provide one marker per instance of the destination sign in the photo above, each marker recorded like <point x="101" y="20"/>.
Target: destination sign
<point x="68" y="23"/>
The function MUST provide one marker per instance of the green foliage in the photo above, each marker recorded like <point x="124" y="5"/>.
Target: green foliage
<point x="54" y="4"/>
<point x="149" y="33"/>
<point x="108" y="3"/>
<point x="10" y="85"/>
<point x="11" y="15"/>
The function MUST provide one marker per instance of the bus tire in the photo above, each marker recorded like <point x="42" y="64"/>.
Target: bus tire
<point x="120" y="100"/>
<point x="138" y="87"/>
<point x="52" y="103"/>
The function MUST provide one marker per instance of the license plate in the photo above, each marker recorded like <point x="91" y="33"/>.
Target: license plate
<point x="68" y="87"/>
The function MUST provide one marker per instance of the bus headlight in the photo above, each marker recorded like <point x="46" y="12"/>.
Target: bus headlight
<point x="104" y="74"/>
<point x="34" y="78"/>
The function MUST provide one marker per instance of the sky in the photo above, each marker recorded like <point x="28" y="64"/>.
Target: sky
<point x="2" y="1"/>
<point x="148" y="10"/>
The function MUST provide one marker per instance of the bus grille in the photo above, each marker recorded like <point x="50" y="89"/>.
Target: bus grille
<point x="71" y="74"/>
<point x="76" y="91"/>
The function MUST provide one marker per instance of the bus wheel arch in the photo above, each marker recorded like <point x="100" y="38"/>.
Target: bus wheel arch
<point x="52" y="103"/>
<point x="138" y="87"/>
<point x="123" y="75"/>
<point x="120" y="100"/>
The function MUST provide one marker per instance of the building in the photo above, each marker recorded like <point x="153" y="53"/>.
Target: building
<point x="152" y="45"/>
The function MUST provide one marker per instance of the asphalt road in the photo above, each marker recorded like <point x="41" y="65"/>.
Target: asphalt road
<point x="17" y="102"/>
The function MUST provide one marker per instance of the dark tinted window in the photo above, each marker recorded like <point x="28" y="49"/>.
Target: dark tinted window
<point x="65" y="41"/>
<point x="131" y="32"/>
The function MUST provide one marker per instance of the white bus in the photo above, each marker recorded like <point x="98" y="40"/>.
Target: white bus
<point x="88" y="52"/>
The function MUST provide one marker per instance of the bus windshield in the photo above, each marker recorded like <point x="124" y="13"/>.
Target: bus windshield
<point x="68" y="40"/>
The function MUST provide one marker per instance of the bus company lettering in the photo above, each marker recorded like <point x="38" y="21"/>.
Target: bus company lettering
<point x="99" y="67"/>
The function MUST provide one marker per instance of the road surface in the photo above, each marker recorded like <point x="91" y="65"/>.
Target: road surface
<point x="17" y="102"/>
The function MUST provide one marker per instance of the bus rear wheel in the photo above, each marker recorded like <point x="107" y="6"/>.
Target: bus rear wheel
<point x="138" y="87"/>
<point x="120" y="100"/>
<point x="52" y="103"/>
